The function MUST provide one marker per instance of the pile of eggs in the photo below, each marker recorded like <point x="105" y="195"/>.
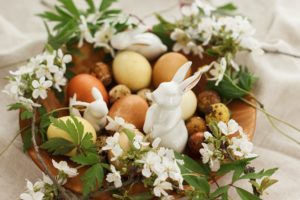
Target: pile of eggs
<point x="124" y="86"/>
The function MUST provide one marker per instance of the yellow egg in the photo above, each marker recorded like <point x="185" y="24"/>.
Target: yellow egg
<point x="188" y="105"/>
<point x="166" y="67"/>
<point x="54" y="132"/>
<point x="132" y="69"/>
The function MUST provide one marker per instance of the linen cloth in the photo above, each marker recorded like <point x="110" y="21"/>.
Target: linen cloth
<point x="22" y="35"/>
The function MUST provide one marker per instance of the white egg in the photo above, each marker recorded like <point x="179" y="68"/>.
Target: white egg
<point x="188" y="105"/>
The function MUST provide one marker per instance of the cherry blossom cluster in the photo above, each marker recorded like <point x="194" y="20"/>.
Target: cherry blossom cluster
<point x="203" y="30"/>
<point x="32" y="81"/>
<point x="228" y="142"/>
<point x="45" y="189"/>
<point x="158" y="165"/>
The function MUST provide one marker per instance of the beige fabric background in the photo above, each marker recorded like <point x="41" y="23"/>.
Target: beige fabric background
<point x="277" y="21"/>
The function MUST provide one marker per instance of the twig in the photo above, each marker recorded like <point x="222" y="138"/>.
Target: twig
<point x="281" y="53"/>
<point x="65" y="194"/>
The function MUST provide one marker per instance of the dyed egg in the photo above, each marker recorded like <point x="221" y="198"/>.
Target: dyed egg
<point x="188" y="104"/>
<point x="118" y="92"/>
<point x="195" y="143"/>
<point x="206" y="99"/>
<point x="195" y="124"/>
<point x="166" y="67"/>
<point x="219" y="112"/>
<point x="143" y="93"/>
<point x="132" y="69"/>
<point x="82" y="85"/>
<point x="54" y="132"/>
<point x="132" y="109"/>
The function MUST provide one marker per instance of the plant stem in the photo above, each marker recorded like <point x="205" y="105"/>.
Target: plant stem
<point x="63" y="192"/>
<point x="270" y="116"/>
<point x="281" y="52"/>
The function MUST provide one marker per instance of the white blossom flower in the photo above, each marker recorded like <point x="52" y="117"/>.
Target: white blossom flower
<point x="251" y="44"/>
<point x="63" y="166"/>
<point x="207" y="135"/>
<point x="206" y="28"/>
<point x="117" y="124"/>
<point x="234" y="65"/>
<point x="207" y="153"/>
<point x="138" y="142"/>
<point x="160" y="187"/>
<point x="195" y="49"/>
<point x="227" y="129"/>
<point x="156" y="142"/>
<point x="85" y="33"/>
<point x="182" y="39"/>
<point x="28" y="103"/>
<point x="40" y="87"/>
<point x="151" y="163"/>
<point x="103" y="37"/>
<point x="206" y="7"/>
<point x="112" y="143"/>
<point x="190" y="10"/>
<point x="63" y="58"/>
<point x="32" y="193"/>
<point x="48" y="68"/>
<point x="114" y="177"/>
<point x="59" y="80"/>
<point x="218" y="71"/>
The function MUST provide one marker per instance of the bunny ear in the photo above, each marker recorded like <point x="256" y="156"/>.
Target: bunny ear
<point x="181" y="72"/>
<point x="189" y="83"/>
<point x="96" y="94"/>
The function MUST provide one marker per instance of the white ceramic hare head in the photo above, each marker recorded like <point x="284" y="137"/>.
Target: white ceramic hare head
<point x="145" y="43"/>
<point x="95" y="112"/>
<point x="163" y="118"/>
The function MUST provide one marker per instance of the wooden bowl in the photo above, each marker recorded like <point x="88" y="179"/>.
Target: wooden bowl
<point x="244" y="114"/>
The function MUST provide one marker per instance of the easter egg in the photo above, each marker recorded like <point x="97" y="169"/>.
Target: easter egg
<point x="132" y="109"/>
<point x="195" y="124"/>
<point x="54" y="132"/>
<point x="82" y="85"/>
<point x="166" y="67"/>
<point x="132" y="69"/>
<point x="188" y="104"/>
<point x="118" y="92"/>
<point x="219" y="112"/>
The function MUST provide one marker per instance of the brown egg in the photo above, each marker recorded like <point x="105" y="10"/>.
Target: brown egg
<point x="132" y="109"/>
<point x="82" y="85"/>
<point x="195" y="142"/>
<point x="195" y="124"/>
<point x="166" y="67"/>
<point x="206" y="99"/>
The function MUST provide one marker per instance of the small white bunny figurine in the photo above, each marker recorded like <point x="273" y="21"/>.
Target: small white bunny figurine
<point x="138" y="40"/>
<point x="95" y="112"/>
<point x="163" y="118"/>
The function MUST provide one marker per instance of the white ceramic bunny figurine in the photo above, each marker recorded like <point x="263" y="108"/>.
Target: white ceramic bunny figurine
<point x="95" y="112"/>
<point x="163" y="118"/>
<point x="138" y="40"/>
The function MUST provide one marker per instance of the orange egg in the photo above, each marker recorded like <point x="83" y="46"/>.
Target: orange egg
<point x="82" y="85"/>
<point x="166" y="67"/>
<point x="132" y="109"/>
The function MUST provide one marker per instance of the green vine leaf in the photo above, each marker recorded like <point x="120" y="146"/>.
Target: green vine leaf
<point x="260" y="174"/>
<point x="88" y="159"/>
<point x="105" y="4"/>
<point x="92" y="179"/>
<point x="245" y="195"/>
<point x="219" y="191"/>
<point x="58" y="146"/>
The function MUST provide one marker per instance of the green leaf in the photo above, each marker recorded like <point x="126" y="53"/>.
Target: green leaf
<point x="70" y="6"/>
<point x="246" y="80"/>
<point x="227" y="167"/>
<point x="237" y="173"/>
<point x="91" y="5"/>
<point x="219" y="191"/>
<point x="27" y="142"/>
<point x="58" y="146"/>
<point x="88" y="159"/>
<point x="87" y="143"/>
<point x="142" y="196"/>
<point x="163" y="31"/>
<point x="245" y="195"/>
<point x="26" y="114"/>
<point x="92" y="179"/>
<point x="130" y="134"/>
<point x="191" y="171"/>
<point x="51" y="16"/>
<point x="191" y="165"/>
<point x="227" y="7"/>
<point x="260" y="174"/>
<point x="266" y="183"/>
<point x="15" y="106"/>
<point x="105" y="4"/>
